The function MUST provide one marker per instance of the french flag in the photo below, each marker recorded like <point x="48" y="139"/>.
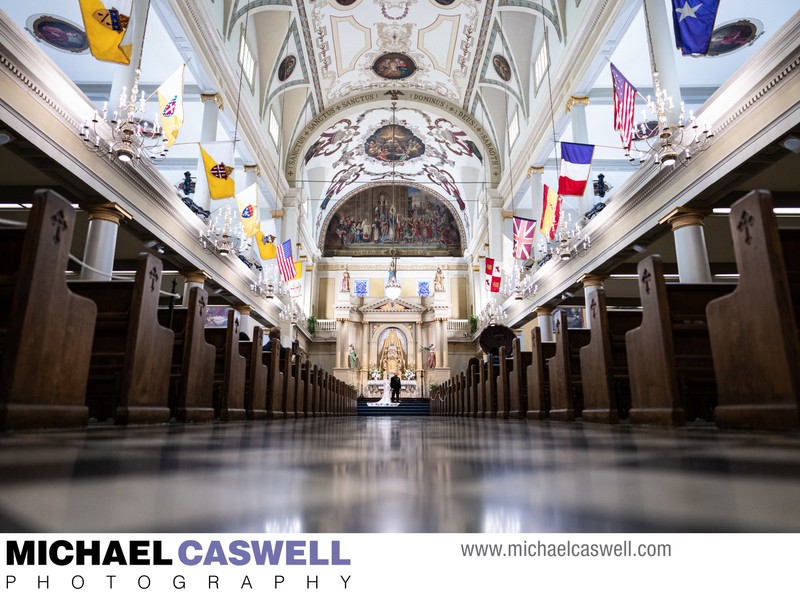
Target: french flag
<point x="576" y="162"/>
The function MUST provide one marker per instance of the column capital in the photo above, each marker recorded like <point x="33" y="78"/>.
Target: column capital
<point x="494" y="199"/>
<point x="277" y="214"/>
<point x="252" y="167"/>
<point x="592" y="280"/>
<point x="109" y="211"/>
<point x="683" y="216"/>
<point x="543" y="310"/>
<point x="535" y="170"/>
<point x="507" y="214"/>
<point x="212" y="96"/>
<point x="243" y="309"/>
<point x="577" y="100"/>
<point x="196" y="276"/>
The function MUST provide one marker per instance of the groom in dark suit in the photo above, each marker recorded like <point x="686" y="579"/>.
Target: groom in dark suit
<point x="394" y="385"/>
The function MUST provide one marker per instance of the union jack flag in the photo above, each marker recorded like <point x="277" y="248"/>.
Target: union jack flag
<point x="169" y="108"/>
<point x="285" y="261"/>
<point x="523" y="237"/>
<point x="220" y="171"/>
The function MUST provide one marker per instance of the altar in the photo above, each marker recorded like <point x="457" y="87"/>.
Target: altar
<point x="375" y="388"/>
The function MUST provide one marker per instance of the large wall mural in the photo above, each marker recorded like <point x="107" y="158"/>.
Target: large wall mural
<point x="382" y="218"/>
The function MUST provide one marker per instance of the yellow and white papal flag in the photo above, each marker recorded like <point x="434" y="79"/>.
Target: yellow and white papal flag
<point x="218" y="167"/>
<point x="108" y="30"/>
<point x="247" y="201"/>
<point x="170" y="105"/>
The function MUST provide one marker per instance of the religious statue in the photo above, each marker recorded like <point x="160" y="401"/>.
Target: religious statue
<point x="438" y="280"/>
<point x="345" y="282"/>
<point x="431" y="357"/>
<point x="353" y="358"/>
<point x="392" y="356"/>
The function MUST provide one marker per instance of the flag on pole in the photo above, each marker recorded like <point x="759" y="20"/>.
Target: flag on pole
<point x="576" y="164"/>
<point x="285" y="261"/>
<point x="265" y="238"/>
<point x="523" y="237"/>
<point x="551" y="212"/>
<point x="106" y="31"/>
<point x="216" y="163"/>
<point x="295" y="286"/>
<point x="694" y="24"/>
<point x="247" y="201"/>
<point x="494" y="275"/>
<point x="170" y="105"/>
<point x="624" y="105"/>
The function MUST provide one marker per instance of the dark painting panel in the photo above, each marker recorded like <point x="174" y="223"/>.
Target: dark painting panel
<point x="394" y="66"/>
<point x="377" y="220"/>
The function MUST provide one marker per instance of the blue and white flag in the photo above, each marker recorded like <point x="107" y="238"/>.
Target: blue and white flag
<point x="576" y="163"/>
<point x="693" y="21"/>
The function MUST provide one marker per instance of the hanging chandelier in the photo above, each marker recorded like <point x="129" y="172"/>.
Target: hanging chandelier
<point x="293" y="313"/>
<point x="225" y="234"/>
<point x="492" y="314"/>
<point x="269" y="283"/>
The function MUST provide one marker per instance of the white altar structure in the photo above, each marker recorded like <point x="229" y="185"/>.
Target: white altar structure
<point x="392" y="336"/>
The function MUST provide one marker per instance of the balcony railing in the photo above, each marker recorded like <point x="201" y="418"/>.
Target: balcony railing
<point x="326" y="325"/>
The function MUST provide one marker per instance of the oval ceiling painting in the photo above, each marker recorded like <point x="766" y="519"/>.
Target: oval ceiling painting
<point x="59" y="33"/>
<point x="286" y="68"/>
<point x="402" y="218"/>
<point x="394" y="66"/>
<point x="393" y="143"/>
<point x="501" y="67"/>
<point x="730" y="37"/>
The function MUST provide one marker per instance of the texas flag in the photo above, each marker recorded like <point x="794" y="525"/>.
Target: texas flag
<point x="493" y="275"/>
<point x="694" y="23"/>
<point x="576" y="163"/>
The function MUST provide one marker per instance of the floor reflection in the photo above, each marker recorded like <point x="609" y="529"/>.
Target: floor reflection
<point x="380" y="474"/>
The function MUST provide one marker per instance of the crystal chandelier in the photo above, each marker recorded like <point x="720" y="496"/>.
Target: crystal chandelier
<point x="132" y="136"/>
<point x="269" y="283"/>
<point x="569" y="242"/>
<point x="492" y="314"/>
<point x="656" y="139"/>
<point x="225" y="234"/>
<point x="293" y="313"/>
<point x="393" y="288"/>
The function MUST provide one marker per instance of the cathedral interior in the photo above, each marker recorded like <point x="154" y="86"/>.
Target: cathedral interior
<point x="393" y="150"/>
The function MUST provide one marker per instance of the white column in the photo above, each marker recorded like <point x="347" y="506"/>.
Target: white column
<point x="212" y="104"/>
<point x="690" y="244"/>
<point x="659" y="24"/>
<point x="193" y="278"/>
<point x="245" y="321"/>
<point x="365" y="347"/>
<point x="495" y="226"/>
<point x="418" y="330"/>
<point x="576" y="107"/>
<point x="544" y="318"/>
<point x="591" y="284"/>
<point x="101" y="240"/>
<point x="445" y="345"/>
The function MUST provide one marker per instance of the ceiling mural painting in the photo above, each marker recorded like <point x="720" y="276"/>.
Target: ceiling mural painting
<point x="401" y="145"/>
<point x="379" y="218"/>
<point x="499" y="68"/>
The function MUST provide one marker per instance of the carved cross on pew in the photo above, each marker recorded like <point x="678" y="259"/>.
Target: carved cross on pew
<point x="60" y="225"/>
<point x="558" y="327"/>
<point x="202" y="304"/>
<point x="153" y="278"/>
<point x="593" y="307"/>
<point x="745" y="222"/>
<point x="236" y="327"/>
<point x="646" y="276"/>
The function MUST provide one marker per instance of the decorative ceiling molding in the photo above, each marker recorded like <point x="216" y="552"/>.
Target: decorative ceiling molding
<point x="238" y="13"/>
<point x="312" y="59"/>
<point x="438" y="33"/>
<point x="479" y="49"/>
<point x="515" y="89"/>
<point x="551" y="15"/>
<point x="462" y="117"/>
<point x="292" y="35"/>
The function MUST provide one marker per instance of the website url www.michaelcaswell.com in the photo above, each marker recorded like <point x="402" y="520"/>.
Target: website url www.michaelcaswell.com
<point x="538" y="548"/>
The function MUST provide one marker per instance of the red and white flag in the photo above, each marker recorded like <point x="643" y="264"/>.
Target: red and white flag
<point x="285" y="261"/>
<point x="494" y="275"/>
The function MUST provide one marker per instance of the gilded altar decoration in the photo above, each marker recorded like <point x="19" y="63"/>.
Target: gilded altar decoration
<point x="392" y="356"/>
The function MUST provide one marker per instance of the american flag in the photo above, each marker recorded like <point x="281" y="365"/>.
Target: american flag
<point x="285" y="262"/>
<point x="624" y="104"/>
<point x="523" y="237"/>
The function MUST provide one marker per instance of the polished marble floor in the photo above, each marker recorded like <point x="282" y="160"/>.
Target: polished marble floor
<point x="419" y="474"/>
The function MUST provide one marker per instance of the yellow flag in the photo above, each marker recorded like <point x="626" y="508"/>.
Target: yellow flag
<point x="551" y="212"/>
<point x="298" y="267"/>
<point x="170" y="105"/>
<point x="105" y="30"/>
<point x="218" y="170"/>
<point x="247" y="201"/>
<point x="266" y="249"/>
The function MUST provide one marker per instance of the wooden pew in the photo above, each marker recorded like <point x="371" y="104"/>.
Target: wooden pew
<point x="275" y="381"/>
<point x="472" y="386"/>
<point x="669" y="355"/>
<point x="289" y="367"/>
<point x="564" y="368"/>
<point x="131" y="351"/>
<point x="314" y="396"/>
<point x="230" y="369"/>
<point x="256" y="376"/>
<point x="45" y="330"/>
<point x="192" y="369"/>
<point x="482" y="410"/>
<point x="604" y="362"/>
<point x="304" y="389"/>
<point x="517" y="382"/>
<point x="503" y="392"/>
<point x="754" y="332"/>
<point x="538" y="377"/>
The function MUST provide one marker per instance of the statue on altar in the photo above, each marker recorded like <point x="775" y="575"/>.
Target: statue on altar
<point x="392" y="356"/>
